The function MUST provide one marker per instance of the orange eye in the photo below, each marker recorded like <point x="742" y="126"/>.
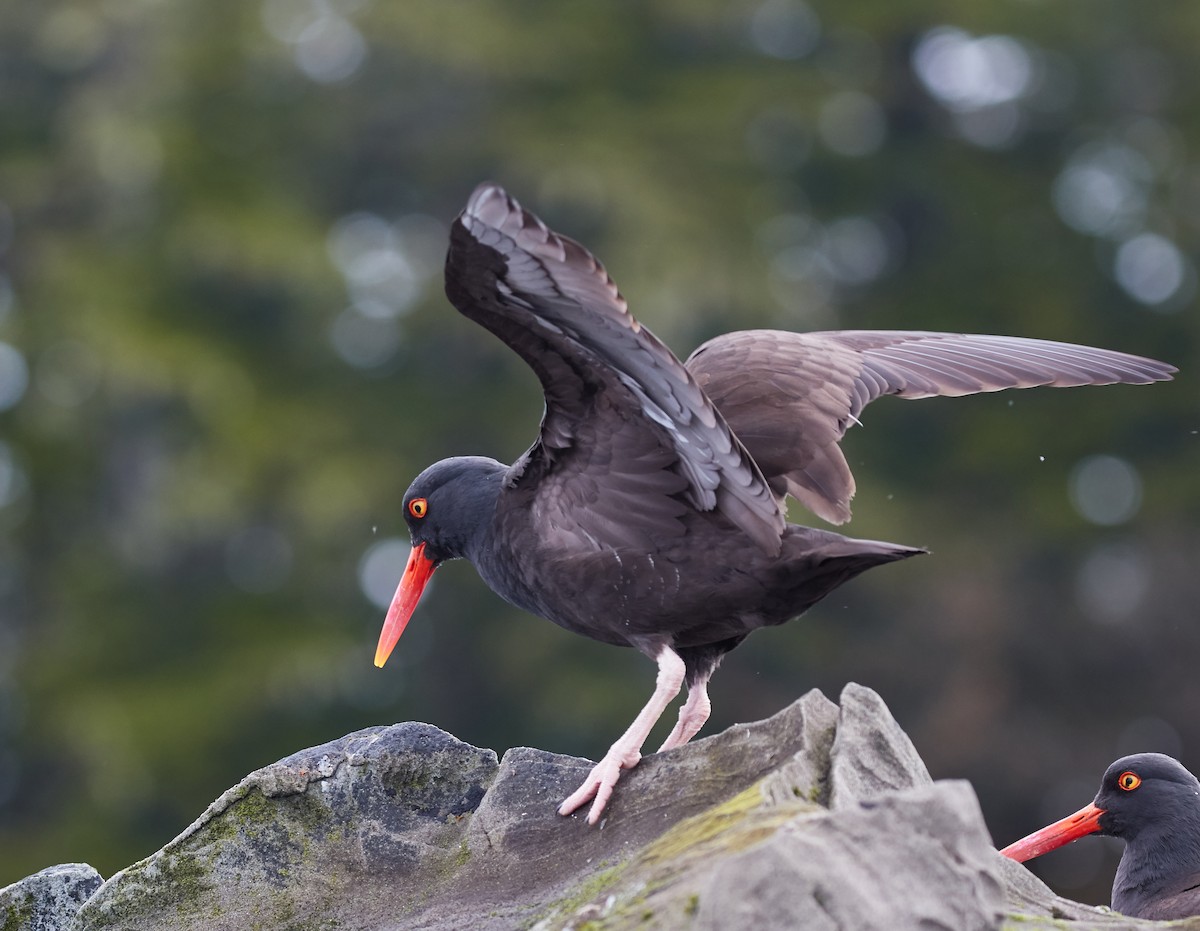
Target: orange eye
<point x="418" y="507"/>
<point x="1129" y="780"/>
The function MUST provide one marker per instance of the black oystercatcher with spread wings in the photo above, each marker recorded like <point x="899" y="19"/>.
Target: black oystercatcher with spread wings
<point x="649" y="511"/>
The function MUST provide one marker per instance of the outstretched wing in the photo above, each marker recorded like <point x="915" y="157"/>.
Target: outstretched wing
<point x="627" y="431"/>
<point x="790" y="397"/>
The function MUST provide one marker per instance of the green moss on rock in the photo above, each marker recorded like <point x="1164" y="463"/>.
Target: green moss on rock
<point x="19" y="917"/>
<point x="587" y="892"/>
<point x="185" y="881"/>
<point x="740" y="822"/>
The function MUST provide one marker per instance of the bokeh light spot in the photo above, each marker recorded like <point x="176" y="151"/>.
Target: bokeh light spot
<point x="1105" y="490"/>
<point x="966" y="73"/>
<point x="1150" y="268"/>
<point x="380" y="569"/>
<point x="857" y="250"/>
<point x="355" y="235"/>
<point x="1102" y="190"/>
<point x="362" y="341"/>
<point x="787" y="29"/>
<point x="374" y="259"/>
<point x="330" y="49"/>
<point x="1112" y="583"/>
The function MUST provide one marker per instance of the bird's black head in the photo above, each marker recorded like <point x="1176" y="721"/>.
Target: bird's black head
<point x="449" y="509"/>
<point x="1146" y="799"/>
<point x="1145" y="794"/>
<point x="449" y="506"/>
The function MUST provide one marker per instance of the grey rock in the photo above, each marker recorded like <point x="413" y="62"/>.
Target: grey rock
<point x="47" y="900"/>
<point x="805" y="774"/>
<point x="319" y="839"/>
<point x="821" y="817"/>
<point x="528" y="864"/>
<point x="919" y="858"/>
<point x="871" y="754"/>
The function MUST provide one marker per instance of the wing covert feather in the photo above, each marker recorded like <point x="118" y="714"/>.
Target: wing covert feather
<point x="790" y="397"/>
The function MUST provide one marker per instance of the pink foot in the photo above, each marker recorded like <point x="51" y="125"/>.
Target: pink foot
<point x="600" y="782"/>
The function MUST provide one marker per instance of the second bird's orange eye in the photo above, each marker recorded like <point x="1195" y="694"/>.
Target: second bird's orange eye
<point x="418" y="507"/>
<point x="1129" y="780"/>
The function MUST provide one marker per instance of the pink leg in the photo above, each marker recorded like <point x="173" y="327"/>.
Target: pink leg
<point x="627" y="751"/>
<point x="692" y="716"/>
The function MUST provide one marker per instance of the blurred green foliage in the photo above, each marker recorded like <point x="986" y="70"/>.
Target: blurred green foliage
<point x="221" y="227"/>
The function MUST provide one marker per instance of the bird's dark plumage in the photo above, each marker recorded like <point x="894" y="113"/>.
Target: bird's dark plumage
<point x="649" y="512"/>
<point x="623" y="414"/>
<point x="1151" y="802"/>
<point x="790" y="397"/>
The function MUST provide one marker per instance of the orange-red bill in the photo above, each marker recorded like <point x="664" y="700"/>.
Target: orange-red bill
<point x="1083" y="822"/>
<point x="416" y="575"/>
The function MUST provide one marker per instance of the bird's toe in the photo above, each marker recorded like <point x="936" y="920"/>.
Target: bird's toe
<point x="599" y="785"/>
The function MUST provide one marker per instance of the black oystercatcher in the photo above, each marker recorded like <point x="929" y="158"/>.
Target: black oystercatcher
<point x="649" y="512"/>
<point x="1153" y="804"/>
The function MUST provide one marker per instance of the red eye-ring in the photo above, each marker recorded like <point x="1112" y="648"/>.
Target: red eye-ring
<point x="1129" y="780"/>
<point x="418" y="507"/>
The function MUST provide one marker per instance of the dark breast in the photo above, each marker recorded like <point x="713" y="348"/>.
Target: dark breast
<point x="1141" y="890"/>
<point x="691" y="589"/>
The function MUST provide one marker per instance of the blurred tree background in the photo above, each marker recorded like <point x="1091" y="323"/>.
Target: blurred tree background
<point x="224" y="353"/>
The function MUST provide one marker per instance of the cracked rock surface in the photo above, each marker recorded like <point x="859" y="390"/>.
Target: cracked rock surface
<point x="821" y="817"/>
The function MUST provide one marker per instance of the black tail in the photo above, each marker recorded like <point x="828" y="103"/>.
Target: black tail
<point x="821" y="561"/>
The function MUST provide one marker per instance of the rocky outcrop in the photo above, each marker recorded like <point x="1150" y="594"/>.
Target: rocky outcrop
<point x="822" y="817"/>
<point x="48" y="900"/>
